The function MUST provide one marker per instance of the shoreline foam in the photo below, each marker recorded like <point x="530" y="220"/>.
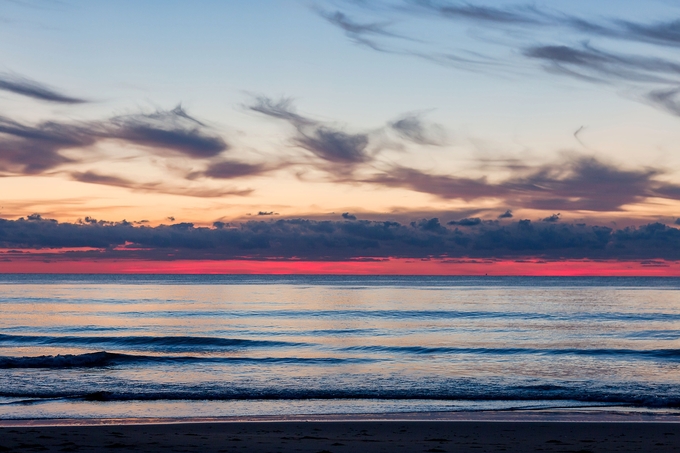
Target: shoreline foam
<point x="582" y="415"/>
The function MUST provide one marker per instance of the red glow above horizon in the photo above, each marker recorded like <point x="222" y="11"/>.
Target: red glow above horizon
<point x="382" y="267"/>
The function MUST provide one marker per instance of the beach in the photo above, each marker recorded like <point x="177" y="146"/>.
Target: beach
<point x="517" y="433"/>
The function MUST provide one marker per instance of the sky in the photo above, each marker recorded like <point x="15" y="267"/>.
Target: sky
<point x="340" y="130"/>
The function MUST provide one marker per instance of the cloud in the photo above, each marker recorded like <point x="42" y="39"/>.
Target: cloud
<point x="339" y="240"/>
<point x="470" y="221"/>
<point x="97" y="178"/>
<point x="335" y="146"/>
<point x="516" y="15"/>
<point x="663" y="33"/>
<point x="597" y="65"/>
<point x="231" y="169"/>
<point x="330" y="144"/>
<point x="167" y="130"/>
<point x="282" y="109"/>
<point x="572" y="183"/>
<point x="552" y="218"/>
<point x="25" y="87"/>
<point x="412" y="128"/>
<point x="356" y="31"/>
<point x="536" y="32"/>
<point x="506" y="215"/>
<point x="33" y="149"/>
<point x="92" y="177"/>
<point x="348" y="216"/>
<point x="666" y="99"/>
<point x="443" y="186"/>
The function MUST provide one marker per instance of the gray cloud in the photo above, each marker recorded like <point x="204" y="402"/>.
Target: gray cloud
<point x="339" y="240"/>
<point x="165" y="130"/>
<point x="335" y="146"/>
<point x="412" y="128"/>
<point x="506" y="215"/>
<point x="327" y="143"/>
<point x="589" y="63"/>
<point x="25" y="87"/>
<point x="231" y="169"/>
<point x="92" y="177"/>
<point x="34" y="149"/>
<point x="443" y="186"/>
<point x="282" y="109"/>
<point x="520" y="15"/>
<point x="97" y="178"/>
<point x="470" y="221"/>
<point x="27" y="149"/>
<point x="552" y="218"/>
<point x="524" y="27"/>
<point x="666" y="99"/>
<point x="355" y="30"/>
<point x="575" y="183"/>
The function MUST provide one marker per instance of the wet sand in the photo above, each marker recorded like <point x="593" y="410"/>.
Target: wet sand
<point x="354" y="436"/>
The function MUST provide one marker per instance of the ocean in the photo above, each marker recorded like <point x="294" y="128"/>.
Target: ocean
<point x="128" y="346"/>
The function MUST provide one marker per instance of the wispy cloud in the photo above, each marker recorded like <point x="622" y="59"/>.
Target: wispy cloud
<point x="573" y="183"/>
<point x="93" y="177"/>
<point x="25" y="87"/>
<point x="412" y="128"/>
<point x="167" y="130"/>
<point x="231" y="169"/>
<point x="536" y="32"/>
<point x="32" y="149"/>
<point x="589" y="63"/>
<point x="329" y="144"/>
<point x="513" y="15"/>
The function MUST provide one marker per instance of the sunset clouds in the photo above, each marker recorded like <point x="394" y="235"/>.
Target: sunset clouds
<point x="394" y="112"/>
<point x="350" y="238"/>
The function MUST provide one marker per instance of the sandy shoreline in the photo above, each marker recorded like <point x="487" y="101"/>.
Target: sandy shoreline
<point x="436" y="432"/>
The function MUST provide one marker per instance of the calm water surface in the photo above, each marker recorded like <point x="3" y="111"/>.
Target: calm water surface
<point x="178" y="346"/>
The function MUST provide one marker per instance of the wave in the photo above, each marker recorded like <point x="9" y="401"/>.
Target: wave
<point x="143" y="341"/>
<point x="602" y="352"/>
<point x="417" y="315"/>
<point x="108" y="359"/>
<point x="649" y="397"/>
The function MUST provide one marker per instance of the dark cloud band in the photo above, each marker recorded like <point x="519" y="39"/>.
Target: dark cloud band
<point x="344" y="239"/>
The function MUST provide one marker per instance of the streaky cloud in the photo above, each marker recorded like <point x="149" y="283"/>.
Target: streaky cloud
<point x="335" y="146"/>
<point x="282" y="109"/>
<point x="521" y="15"/>
<point x="523" y="27"/>
<point x="573" y="183"/>
<point x="231" y="169"/>
<point x="168" y="130"/>
<point x="330" y="144"/>
<point x="590" y="63"/>
<point x="412" y="128"/>
<point x="25" y="87"/>
<point x="33" y="149"/>
<point x="92" y="177"/>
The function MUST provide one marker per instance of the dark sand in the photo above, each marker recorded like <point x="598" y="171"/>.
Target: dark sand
<point x="354" y="436"/>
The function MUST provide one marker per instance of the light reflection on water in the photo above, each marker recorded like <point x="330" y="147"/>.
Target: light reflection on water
<point x="369" y="344"/>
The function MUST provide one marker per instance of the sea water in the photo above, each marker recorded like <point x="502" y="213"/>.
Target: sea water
<point x="211" y="346"/>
